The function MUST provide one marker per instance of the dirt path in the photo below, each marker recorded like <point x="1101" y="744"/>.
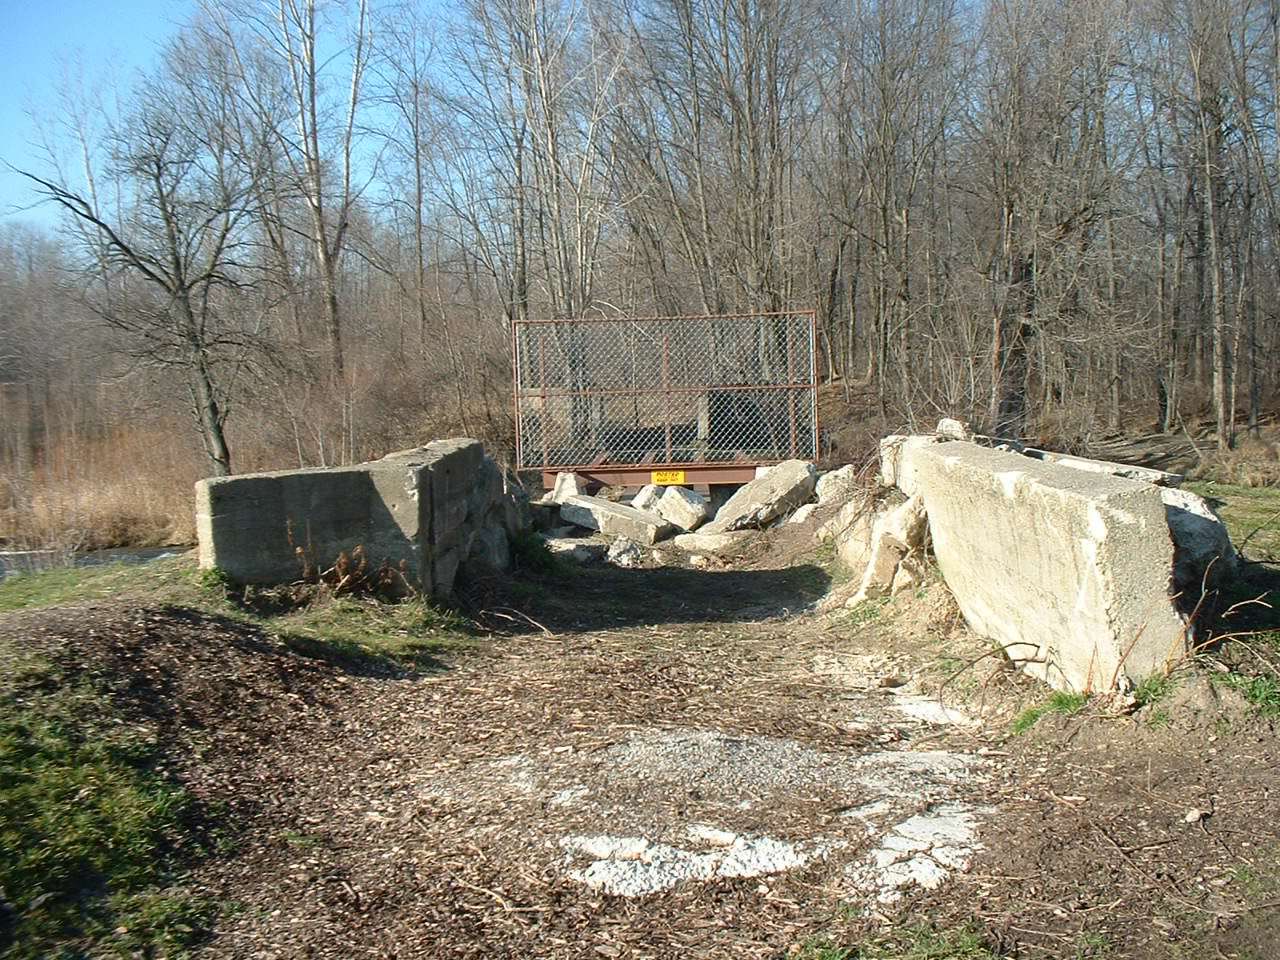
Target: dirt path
<point x="670" y="763"/>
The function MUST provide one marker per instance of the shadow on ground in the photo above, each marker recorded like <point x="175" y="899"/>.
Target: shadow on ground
<point x="608" y="598"/>
<point x="1254" y="600"/>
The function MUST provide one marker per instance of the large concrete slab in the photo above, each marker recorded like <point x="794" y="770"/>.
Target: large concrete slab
<point x="767" y="498"/>
<point x="254" y="525"/>
<point x="684" y="508"/>
<point x="707" y="542"/>
<point x="1068" y="570"/>
<point x="1130" y="471"/>
<point x="615" y="519"/>
<point x="437" y="508"/>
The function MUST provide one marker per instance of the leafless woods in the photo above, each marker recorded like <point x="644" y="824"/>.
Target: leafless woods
<point x="311" y="224"/>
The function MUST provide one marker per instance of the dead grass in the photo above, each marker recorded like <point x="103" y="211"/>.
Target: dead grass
<point x="1255" y="462"/>
<point x="131" y="487"/>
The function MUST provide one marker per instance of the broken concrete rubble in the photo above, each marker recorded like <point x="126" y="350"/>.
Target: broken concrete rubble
<point x="704" y="542"/>
<point x="567" y="485"/>
<point x="765" y="499"/>
<point x="836" y="484"/>
<point x="1128" y="471"/>
<point x="647" y="498"/>
<point x="896" y="464"/>
<point x="802" y="514"/>
<point x="625" y="553"/>
<point x="1068" y="570"/>
<point x="615" y="519"/>
<point x="953" y="429"/>
<point x="897" y="535"/>
<point x="579" y="551"/>
<point x="684" y="508"/>
<point x="1203" y="557"/>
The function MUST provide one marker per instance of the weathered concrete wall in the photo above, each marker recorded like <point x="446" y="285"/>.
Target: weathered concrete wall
<point x="1068" y="570"/>
<point x="439" y="508"/>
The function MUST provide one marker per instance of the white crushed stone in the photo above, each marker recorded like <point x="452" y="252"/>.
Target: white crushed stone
<point x="634" y="866"/>
<point x="568" y="797"/>
<point x="870" y="814"/>
<point x="922" y="850"/>
<point x="711" y="835"/>
<point x="664" y="806"/>
<point x="756" y="767"/>
<point x="930" y="710"/>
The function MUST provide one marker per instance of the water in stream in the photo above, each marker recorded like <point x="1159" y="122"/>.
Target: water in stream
<point x="17" y="562"/>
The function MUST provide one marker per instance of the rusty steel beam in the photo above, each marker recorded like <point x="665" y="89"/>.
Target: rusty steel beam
<point x="606" y="476"/>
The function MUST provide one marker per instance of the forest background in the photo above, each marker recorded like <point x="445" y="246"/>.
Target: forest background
<point x="301" y="236"/>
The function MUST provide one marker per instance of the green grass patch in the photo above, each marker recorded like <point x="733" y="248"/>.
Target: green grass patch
<point x="910" y="943"/>
<point x="172" y="580"/>
<point x="1263" y="692"/>
<point x="1252" y="515"/>
<point x="310" y="620"/>
<point x="46" y="588"/>
<point x="1153" y="689"/>
<point x="91" y="835"/>
<point x="1066" y="704"/>
<point x="409" y="632"/>
<point x="869" y="611"/>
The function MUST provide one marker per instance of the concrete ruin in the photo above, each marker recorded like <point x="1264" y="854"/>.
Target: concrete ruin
<point x="438" y="509"/>
<point x="615" y="519"/>
<point x="773" y="494"/>
<point x="1087" y="577"/>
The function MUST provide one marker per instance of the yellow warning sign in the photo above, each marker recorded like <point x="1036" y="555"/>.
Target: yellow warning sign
<point x="667" y="478"/>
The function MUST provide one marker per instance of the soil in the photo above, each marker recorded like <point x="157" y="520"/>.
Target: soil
<point x="760" y="772"/>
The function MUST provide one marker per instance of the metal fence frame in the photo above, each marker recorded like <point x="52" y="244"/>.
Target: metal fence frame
<point x="534" y="388"/>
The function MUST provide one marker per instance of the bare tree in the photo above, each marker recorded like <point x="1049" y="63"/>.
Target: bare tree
<point x="173" y="258"/>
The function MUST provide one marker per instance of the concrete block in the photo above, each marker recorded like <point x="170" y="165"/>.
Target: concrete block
<point x="647" y="499"/>
<point x="1068" y="570"/>
<point x="953" y="429"/>
<point x="1203" y="556"/>
<point x="684" y="508"/>
<point x="252" y="526"/>
<point x="1129" y="471"/>
<point x="896" y="456"/>
<point x="615" y="519"/>
<point x="835" y="485"/>
<point x="490" y="553"/>
<point x="445" y="568"/>
<point x="567" y="485"/>
<point x="760" y="502"/>
<point x="803" y="514"/>
<point x="426" y="506"/>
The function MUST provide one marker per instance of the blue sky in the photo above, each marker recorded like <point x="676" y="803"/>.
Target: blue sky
<point x="37" y="43"/>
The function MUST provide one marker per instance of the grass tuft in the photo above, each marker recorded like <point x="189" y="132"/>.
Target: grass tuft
<point x="531" y="553"/>
<point x="1154" y="689"/>
<point x="1066" y="704"/>
<point x="910" y="943"/>
<point x="1263" y="692"/>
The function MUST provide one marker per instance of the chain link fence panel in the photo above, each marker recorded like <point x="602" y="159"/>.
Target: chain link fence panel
<point x="667" y="391"/>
